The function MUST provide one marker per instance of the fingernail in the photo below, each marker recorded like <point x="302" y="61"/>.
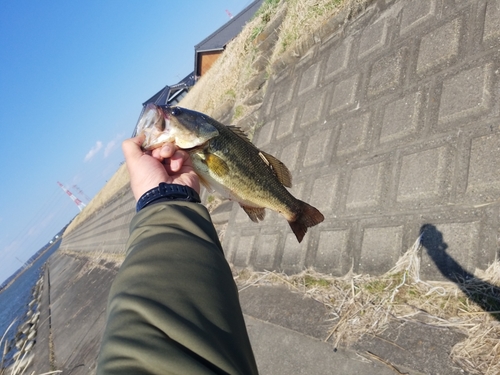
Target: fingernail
<point x="167" y="148"/>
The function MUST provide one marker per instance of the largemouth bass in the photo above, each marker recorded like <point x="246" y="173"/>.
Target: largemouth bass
<point x="226" y="161"/>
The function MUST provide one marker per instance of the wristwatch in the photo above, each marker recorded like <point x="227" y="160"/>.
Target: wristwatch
<point x="168" y="192"/>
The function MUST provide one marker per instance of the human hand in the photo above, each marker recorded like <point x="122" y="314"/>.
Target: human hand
<point x="165" y="164"/>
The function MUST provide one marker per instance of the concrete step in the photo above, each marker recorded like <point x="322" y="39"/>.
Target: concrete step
<point x="289" y="333"/>
<point x="280" y="351"/>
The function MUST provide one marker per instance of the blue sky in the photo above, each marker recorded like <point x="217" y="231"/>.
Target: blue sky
<point x="73" y="75"/>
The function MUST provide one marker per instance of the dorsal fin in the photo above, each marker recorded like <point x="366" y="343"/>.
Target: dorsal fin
<point x="236" y="130"/>
<point x="279" y="169"/>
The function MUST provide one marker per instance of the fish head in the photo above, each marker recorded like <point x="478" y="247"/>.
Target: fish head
<point x="185" y="128"/>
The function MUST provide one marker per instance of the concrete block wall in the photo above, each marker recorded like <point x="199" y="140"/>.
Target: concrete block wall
<point x="107" y="230"/>
<point x="387" y="125"/>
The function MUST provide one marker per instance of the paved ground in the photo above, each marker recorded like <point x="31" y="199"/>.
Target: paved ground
<point x="287" y="330"/>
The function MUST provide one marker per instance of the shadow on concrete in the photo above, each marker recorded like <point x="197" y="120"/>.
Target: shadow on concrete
<point x="484" y="294"/>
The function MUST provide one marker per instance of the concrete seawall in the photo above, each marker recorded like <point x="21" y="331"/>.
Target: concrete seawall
<point x="387" y="124"/>
<point x="106" y="230"/>
<point x="287" y="330"/>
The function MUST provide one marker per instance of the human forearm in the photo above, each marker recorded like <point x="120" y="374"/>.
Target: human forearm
<point x="173" y="308"/>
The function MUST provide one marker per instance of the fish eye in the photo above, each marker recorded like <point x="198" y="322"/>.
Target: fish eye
<point x="175" y="111"/>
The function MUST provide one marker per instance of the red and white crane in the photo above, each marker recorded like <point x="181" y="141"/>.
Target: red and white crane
<point x="77" y="201"/>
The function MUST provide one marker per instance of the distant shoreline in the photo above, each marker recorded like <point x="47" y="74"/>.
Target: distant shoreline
<point x="21" y="272"/>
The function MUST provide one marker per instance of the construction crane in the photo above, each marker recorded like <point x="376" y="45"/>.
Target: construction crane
<point x="77" y="201"/>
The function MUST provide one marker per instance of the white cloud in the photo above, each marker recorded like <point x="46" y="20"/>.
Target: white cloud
<point x="109" y="148"/>
<point x="93" y="151"/>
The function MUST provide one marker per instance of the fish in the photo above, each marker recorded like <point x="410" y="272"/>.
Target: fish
<point x="226" y="161"/>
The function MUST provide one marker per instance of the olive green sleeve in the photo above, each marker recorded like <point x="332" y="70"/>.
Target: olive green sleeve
<point x="173" y="307"/>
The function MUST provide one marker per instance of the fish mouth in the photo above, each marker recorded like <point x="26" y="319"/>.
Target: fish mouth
<point x="164" y="111"/>
<point x="168" y="110"/>
<point x="150" y="118"/>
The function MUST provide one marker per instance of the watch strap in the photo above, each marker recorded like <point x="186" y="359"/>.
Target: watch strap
<point x="168" y="192"/>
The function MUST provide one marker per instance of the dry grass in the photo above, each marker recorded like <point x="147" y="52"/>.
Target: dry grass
<point x="303" y="19"/>
<point x="20" y="370"/>
<point x="227" y="80"/>
<point x="360" y="304"/>
<point x="4" y="345"/>
<point x="21" y="364"/>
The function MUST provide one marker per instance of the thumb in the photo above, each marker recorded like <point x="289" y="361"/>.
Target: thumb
<point x="132" y="147"/>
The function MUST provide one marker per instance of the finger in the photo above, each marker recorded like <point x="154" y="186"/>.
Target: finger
<point x="132" y="147"/>
<point x="156" y="154"/>
<point x="167" y="150"/>
<point x="178" y="160"/>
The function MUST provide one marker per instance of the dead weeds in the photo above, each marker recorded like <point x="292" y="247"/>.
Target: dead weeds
<point x="363" y="304"/>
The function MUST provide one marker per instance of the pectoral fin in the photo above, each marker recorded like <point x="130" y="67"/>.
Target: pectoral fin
<point x="254" y="213"/>
<point x="216" y="165"/>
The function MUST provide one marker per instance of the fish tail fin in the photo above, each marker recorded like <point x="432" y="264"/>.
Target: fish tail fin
<point x="308" y="216"/>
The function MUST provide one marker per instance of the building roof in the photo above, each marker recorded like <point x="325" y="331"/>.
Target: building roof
<point x="220" y="37"/>
<point x="166" y="94"/>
